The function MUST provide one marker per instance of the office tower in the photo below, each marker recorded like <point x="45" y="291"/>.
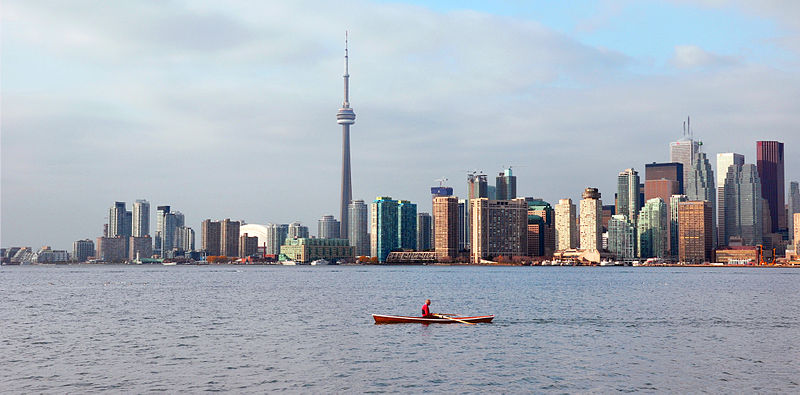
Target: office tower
<point x="499" y="228"/>
<point x="112" y="249"/>
<point x="743" y="206"/>
<point x="700" y="182"/>
<point x="82" y="250"/>
<point x="345" y="117"/>
<point x="229" y="237"/>
<point x="141" y="218"/>
<point x="673" y="223"/>
<point x="662" y="188"/>
<point x="328" y="227"/>
<point x="276" y="236"/>
<point x="423" y="232"/>
<point x="769" y="159"/>
<point x="794" y="207"/>
<point x="628" y="194"/>
<point x="446" y="226"/>
<point x="506" y="185"/>
<point x="684" y="152"/>
<point x="210" y="237"/>
<point x="724" y="161"/>
<point x="358" y="225"/>
<point x="116" y="220"/>
<point x="664" y="171"/>
<point x="383" y="234"/>
<point x="187" y="239"/>
<point x="140" y="247"/>
<point x="297" y="231"/>
<point x="566" y="232"/>
<point x="590" y="220"/>
<point x="621" y="235"/>
<point x="463" y="224"/>
<point x="541" y="228"/>
<point x="248" y="245"/>
<point x="406" y="225"/>
<point x="653" y="229"/>
<point x="695" y="234"/>
<point x="608" y="211"/>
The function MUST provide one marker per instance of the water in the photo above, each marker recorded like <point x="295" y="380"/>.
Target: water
<point x="309" y="329"/>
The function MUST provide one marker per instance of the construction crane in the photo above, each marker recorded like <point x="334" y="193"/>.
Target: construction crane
<point x="441" y="181"/>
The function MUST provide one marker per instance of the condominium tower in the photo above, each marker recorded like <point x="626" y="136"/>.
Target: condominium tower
<point x="628" y="194"/>
<point x="383" y="235"/>
<point x="358" y="225"/>
<point x="446" y="230"/>
<point x="141" y="218"/>
<point x="591" y="215"/>
<point x="566" y="231"/>
<point x="499" y="228"/>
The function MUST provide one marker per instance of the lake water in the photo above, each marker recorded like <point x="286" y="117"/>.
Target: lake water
<point x="308" y="329"/>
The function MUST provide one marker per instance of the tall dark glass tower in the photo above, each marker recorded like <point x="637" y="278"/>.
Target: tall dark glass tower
<point x="345" y="117"/>
<point x="769" y="159"/>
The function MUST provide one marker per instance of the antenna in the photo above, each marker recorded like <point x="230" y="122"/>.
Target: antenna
<point x="689" y="125"/>
<point x="684" y="128"/>
<point x="345" y="54"/>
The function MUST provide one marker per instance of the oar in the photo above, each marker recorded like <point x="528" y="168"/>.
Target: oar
<point x="454" y="319"/>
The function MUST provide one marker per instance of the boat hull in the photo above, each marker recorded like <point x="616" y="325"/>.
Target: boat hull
<point x="399" y="319"/>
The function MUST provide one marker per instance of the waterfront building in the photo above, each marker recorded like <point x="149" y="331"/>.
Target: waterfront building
<point x="653" y="229"/>
<point x="742" y="217"/>
<point x="770" y="161"/>
<point x="498" y="228"/>
<point x="116" y="220"/>
<point x="794" y="207"/>
<point x="210" y="232"/>
<point x="695" y="233"/>
<point x="664" y="171"/>
<point x="566" y="232"/>
<point x="82" y="250"/>
<point x="248" y="245"/>
<point x="112" y="249"/>
<point x="446" y="230"/>
<point x="737" y="255"/>
<point x="358" y="225"/>
<point x="49" y="255"/>
<point x="306" y="250"/>
<point x="423" y="232"/>
<point x="345" y="117"/>
<point x="673" y="223"/>
<point x="187" y="238"/>
<point x="328" y="227"/>
<point x="140" y="247"/>
<point x="229" y="237"/>
<point x="383" y="234"/>
<point x="297" y="231"/>
<point x="621" y="236"/>
<point x="628" y="194"/>
<point x="541" y="228"/>
<point x="506" y="185"/>
<point x="141" y="218"/>
<point x="591" y="213"/>
<point x="275" y="238"/>
<point x="406" y="225"/>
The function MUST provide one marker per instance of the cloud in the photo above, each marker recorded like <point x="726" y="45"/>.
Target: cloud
<point x="692" y="56"/>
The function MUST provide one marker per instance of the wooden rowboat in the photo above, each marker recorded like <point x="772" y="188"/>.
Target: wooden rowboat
<point x="399" y="319"/>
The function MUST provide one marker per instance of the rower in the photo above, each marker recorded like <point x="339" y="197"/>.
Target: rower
<point x="426" y="311"/>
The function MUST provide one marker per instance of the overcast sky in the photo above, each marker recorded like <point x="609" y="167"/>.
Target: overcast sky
<point x="227" y="109"/>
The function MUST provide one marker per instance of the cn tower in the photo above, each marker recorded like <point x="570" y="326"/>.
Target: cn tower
<point x="345" y="117"/>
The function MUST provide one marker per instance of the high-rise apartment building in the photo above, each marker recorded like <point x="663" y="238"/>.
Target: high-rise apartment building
<point x="743" y="211"/>
<point x="769" y="159"/>
<point x="328" y="227"/>
<point x="653" y="229"/>
<point x="423" y="232"/>
<point x="674" y="225"/>
<point x="506" y="185"/>
<point x="187" y="238"/>
<point x="276" y="237"/>
<point x="628" y="194"/>
<point x="794" y="207"/>
<point x="210" y="232"/>
<point x="297" y="231"/>
<point x="248" y="245"/>
<point x="116" y="220"/>
<point x="406" y="225"/>
<point x="477" y="186"/>
<point x="621" y="237"/>
<point x="499" y="228"/>
<point x="446" y="222"/>
<point x="140" y="247"/>
<point x="463" y="224"/>
<point x="383" y="233"/>
<point x="664" y="171"/>
<point x="695" y="233"/>
<point x="82" y="250"/>
<point x="565" y="230"/>
<point x="141" y="218"/>
<point x="591" y="215"/>
<point x="229" y="237"/>
<point x="358" y="225"/>
<point x="112" y="249"/>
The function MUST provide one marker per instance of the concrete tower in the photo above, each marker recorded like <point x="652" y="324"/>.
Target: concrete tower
<point x="345" y="117"/>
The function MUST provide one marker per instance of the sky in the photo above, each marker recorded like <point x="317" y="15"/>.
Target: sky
<point x="228" y="109"/>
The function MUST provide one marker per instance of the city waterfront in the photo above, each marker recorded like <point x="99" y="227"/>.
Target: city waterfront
<point x="85" y="328"/>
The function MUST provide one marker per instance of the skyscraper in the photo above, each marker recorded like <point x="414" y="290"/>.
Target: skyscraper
<point x="446" y="221"/>
<point x="684" y="152"/>
<point x="724" y="161"/>
<point x="358" y="224"/>
<point x="541" y="228"/>
<point x="229" y="237"/>
<point x="695" y="235"/>
<point x="477" y="186"/>
<point x="621" y="237"/>
<point x="141" y="218"/>
<point x="769" y="159"/>
<point x="406" y="225"/>
<point x="743" y="212"/>
<point x="210" y="237"/>
<point x="506" y="185"/>
<point x="297" y="231"/>
<point x="383" y="234"/>
<point x="161" y="211"/>
<point x="566" y="232"/>
<point x="653" y="229"/>
<point x="423" y="232"/>
<point x="345" y="117"/>
<point x="276" y="236"/>
<point x="328" y="227"/>
<point x="187" y="239"/>
<point x="463" y="224"/>
<point x="82" y="250"/>
<point x="673" y="223"/>
<point x="669" y="171"/>
<point x="499" y="228"/>
<point x="116" y="220"/>
<point x="591" y="216"/>
<point x="628" y="194"/>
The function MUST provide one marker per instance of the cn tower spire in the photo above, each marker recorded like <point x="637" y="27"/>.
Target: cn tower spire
<point x="345" y="117"/>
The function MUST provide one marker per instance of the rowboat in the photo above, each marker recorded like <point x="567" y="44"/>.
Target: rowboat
<point x="399" y="319"/>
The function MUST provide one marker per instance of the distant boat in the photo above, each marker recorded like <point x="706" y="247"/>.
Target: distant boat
<point x="320" y="262"/>
<point x="169" y="263"/>
<point x="289" y="263"/>
<point x="398" y="319"/>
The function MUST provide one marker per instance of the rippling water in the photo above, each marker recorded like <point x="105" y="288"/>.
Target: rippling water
<point x="309" y="329"/>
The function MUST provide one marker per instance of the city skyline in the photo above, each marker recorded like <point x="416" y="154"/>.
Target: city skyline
<point x="185" y="131"/>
